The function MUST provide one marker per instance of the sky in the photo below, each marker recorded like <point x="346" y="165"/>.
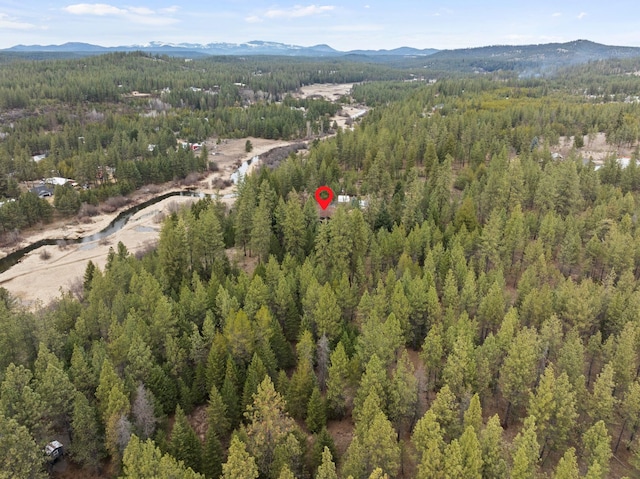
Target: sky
<point x="344" y="25"/>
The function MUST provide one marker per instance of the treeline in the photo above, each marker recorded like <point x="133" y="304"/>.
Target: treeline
<point x="104" y="78"/>
<point x="485" y="292"/>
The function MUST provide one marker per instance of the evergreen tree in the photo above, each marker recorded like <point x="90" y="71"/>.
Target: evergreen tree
<point x="519" y="369"/>
<point x="20" y="455"/>
<point x="567" y="467"/>
<point x="240" y="464"/>
<point x="256" y="373"/>
<point x="142" y="460"/>
<point x="526" y="451"/>
<point x="471" y="454"/>
<point x="327" y="469"/>
<point x="473" y="414"/>
<point x="492" y="444"/>
<point x="316" y="412"/>
<point x="338" y="381"/>
<point x="185" y="444"/>
<point x="212" y="455"/>
<point x="87" y="445"/>
<point x="602" y="401"/>
<point x="217" y="414"/>
<point x="268" y="424"/>
<point x="596" y="444"/>
<point x="374" y="380"/>
<point x="404" y="394"/>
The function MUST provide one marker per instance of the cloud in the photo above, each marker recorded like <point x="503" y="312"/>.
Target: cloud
<point x="139" y="15"/>
<point x="171" y="9"/>
<point x="356" y="28"/>
<point x="141" y="10"/>
<point x="557" y="14"/>
<point x="100" y="9"/>
<point x="582" y="15"/>
<point x="297" y="11"/>
<point x="9" y="23"/>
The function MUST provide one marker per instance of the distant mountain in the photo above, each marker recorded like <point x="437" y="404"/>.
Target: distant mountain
<point x="66" y="47"/>
<point x="539" y="57"/>
<point x="255" y="47"/>
<point x="528" y="59"/>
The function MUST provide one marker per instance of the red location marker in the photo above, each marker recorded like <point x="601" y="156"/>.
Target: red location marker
<point x="324" y="196"/>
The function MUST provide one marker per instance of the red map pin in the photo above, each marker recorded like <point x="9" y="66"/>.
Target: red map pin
<point x="324" y="196"/>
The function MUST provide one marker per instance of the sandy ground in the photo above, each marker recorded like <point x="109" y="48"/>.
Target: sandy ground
<point x="36" y="281"/>
<point x="597" y="148"/>
<point x="332" y="92"/>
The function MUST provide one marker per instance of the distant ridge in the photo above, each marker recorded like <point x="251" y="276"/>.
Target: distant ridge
<point x="526" y="59"/>
<point x="577" y="49"/>
<point x="254" y="47"/>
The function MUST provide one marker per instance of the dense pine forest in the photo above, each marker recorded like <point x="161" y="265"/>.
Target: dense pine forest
<point x="476" y="316"/>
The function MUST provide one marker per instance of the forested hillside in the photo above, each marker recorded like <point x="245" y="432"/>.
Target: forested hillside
<point x="477" y="318"/>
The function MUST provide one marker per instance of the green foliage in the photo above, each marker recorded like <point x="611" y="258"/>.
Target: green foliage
<point x="316" y="417"/>
<point x="144" y="460"/>
<point x="185" y="445"/>
<point x="20" y="455"/>
<point x="240" y="464"/>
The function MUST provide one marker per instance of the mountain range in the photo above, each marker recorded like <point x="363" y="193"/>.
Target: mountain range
<point x="529" y="59"/>
<point x="255" y="47"/>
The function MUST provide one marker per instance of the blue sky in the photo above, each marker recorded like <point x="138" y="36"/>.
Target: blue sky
<point x="344" y="25"/>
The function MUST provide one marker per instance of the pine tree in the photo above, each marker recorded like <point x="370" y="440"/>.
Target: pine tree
<point x="293" y="227"/>
<point x="256" y="373"/>
<point x="404" y="394"/>
<point x="326" y="470"/>
<point x="240" y="464"/>
<point x="212" y="455"/>
<point x="519" y="369"/>
<point x="338" y="381"/>
<point x="86" y="447"/>
<point x="471" y="454"/>
<point x="567" y="467"/>
<point x="19" y="453"/>
<point x="602" y="401"/>
<point x="327" y="314"/>
<point x="473" y="414"/>
<point x="526" y="451"/>
<point x="217" y="414"/>
<point x="261" y="231"/>
<point x="268" y="424"/>
<point x="427" y="435"/>
<point x="185" y="445"/>
<point x="596" y="444"/>
<point x="452" y="464"/>
<point x="229" y="393"/>
<point x="374" y="380"/>
<point x="446" y="410"/>
<point x="300" y="389"/>
<point x="142" y="460"/>
<point x="492" y="444"/>
<point x="217" y="361"/>
<point x="322" y="439"/>
<point x="316" y="412"/>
